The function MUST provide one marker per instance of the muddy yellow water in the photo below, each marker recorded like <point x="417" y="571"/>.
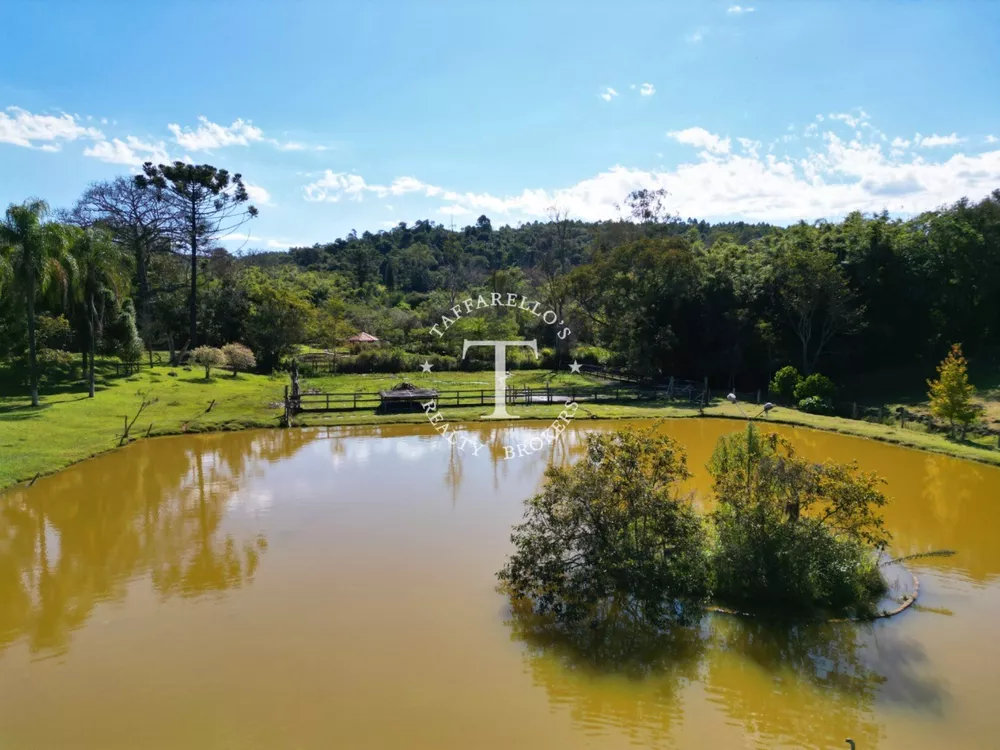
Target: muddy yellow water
<point x="335" y="589"/>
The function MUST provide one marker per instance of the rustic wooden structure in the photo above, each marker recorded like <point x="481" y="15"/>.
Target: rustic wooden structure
<point x="406" y="397"/>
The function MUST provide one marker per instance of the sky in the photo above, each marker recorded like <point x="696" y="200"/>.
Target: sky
<point x="346" y="116"/>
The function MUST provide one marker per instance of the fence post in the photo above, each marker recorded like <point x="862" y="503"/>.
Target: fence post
<point x="482" y="398"/>
<point x="355" y="399"/>
<point x="758" y="396"/>
<point x="854" y="410"/>
<point x="328" y="402"/>
<point x="572" y="394"/>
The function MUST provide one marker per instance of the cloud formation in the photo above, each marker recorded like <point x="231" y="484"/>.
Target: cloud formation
<point x="209" y="135"/>
<point x="45" y="132"/>
<point x="701" y="138"/>
<point x="840" y="176"/>
<point x="647" y="89"/>
<point x="608" y="94"/>
<point x="132" y="151"/>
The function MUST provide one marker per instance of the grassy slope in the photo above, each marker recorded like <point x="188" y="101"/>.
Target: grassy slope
<point x="69" y="427"/>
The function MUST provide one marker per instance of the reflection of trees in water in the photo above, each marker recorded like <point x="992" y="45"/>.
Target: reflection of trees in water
<point x="807" y="685"/>
<point x="77" y="539"/>
<point x="486" y="441"/>
<point x="640" y="670"/>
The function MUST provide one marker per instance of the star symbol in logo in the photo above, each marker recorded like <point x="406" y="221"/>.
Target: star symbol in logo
<point x="575" y="367"/>
<point x="426" y="366"/>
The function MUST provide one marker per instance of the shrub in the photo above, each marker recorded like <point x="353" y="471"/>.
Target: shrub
<point x="591" y="355"/>
<point x="784" y="382"/>
<point x="792" y="533"/>
<point x="611" y="533"/>
<point x="208" y="357"/>
<point x="951" y="393"/>
<point x="239" y="357"/>
<point x="816" y="405"/>
<point x="816" y="385"/>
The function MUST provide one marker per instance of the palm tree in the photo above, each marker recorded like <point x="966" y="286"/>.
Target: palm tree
<point x="102" y="275"/>
<point x="33" y="259"/>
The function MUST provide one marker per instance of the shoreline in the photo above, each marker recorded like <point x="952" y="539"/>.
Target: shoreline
<point x="872" y="431"/>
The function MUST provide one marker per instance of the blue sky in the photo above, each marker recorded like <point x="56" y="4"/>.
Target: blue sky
<point x="361" y="115"/>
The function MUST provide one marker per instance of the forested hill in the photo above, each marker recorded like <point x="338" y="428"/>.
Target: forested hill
<point x="730" y="301"/>
<point x="427" y="244"/>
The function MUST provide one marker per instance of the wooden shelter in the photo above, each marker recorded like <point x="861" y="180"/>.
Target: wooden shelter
<point x="405" y="396"/>
<point x="362" y="338"/>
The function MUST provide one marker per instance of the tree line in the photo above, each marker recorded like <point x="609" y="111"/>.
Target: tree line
<point x="137" y="264"/>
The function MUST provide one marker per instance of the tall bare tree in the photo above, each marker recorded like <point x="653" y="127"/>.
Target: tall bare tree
<point x="137" y="221"/>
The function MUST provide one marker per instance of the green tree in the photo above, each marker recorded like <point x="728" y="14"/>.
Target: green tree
<point x="278" y="318"/>
<point x="951" y="393"/>
<point x="815" y="386"/>
<point x="203" y="203"/>
<point x="208" y="357"/>
<point x="785" y="381"/>
<point x="612" y="534"/>
<point x="815" y="294"/>
<point x="102" y="278"/>
<point x="34" y="259"/>
<point x="793" y="533"/>
<point x="128" y="343"/>
<point x="239" y="357"/>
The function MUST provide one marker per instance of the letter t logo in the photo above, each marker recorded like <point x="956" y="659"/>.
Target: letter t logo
<point x="500" y="372"/>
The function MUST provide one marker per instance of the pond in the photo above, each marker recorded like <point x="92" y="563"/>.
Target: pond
<point x="335" y="588"/>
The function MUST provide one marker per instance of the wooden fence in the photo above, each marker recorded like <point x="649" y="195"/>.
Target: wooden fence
<point x="368" y="400"/>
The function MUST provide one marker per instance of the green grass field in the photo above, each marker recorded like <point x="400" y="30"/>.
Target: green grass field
<point x="69" y="427"/>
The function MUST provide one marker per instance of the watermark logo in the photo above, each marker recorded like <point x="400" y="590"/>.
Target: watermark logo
<point x="536" y="442"/>
<point x="500" y="372"/>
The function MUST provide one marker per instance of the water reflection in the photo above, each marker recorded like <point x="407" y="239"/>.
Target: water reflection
<point x="370" y="553"/>
<point x="805" y="685"/>
<point x="78" y="538"/>
<point x="640" y="672"/>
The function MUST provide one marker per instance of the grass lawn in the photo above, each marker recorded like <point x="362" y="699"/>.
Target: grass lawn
<point x="69" y="427"/>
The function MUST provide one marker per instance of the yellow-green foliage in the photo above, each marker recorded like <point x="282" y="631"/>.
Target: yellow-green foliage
<point x="951" y="394"/>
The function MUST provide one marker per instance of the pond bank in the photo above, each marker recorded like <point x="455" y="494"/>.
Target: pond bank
<point x="69" y="427"/>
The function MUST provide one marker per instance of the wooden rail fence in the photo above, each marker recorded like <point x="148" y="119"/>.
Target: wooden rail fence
<point x="371" y="400"/>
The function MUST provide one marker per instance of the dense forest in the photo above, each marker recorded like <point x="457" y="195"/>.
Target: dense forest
<point x="138" y="265"/>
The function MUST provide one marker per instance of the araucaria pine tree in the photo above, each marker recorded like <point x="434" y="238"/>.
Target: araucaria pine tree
<point x="951" y="394"/>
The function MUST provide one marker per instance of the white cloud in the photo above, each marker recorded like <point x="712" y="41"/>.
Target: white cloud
<point x="332" y="186"/>
<point x="701" y="138"/>
<point x="647" y="89"/>
<point x="22" y="128"/>
<point x="991" y="139"/>
<point x="931" y="141"/>
<point x="737" y="9"/>
<point x="841" y="176"/>
<point x="608" y="94"/>
<point x="852" y="121"/>
<point x="209" y="135"/>
<point x="258" y="195"/>
<point x="695" y="37"/>
<point x="132" y="151"/>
